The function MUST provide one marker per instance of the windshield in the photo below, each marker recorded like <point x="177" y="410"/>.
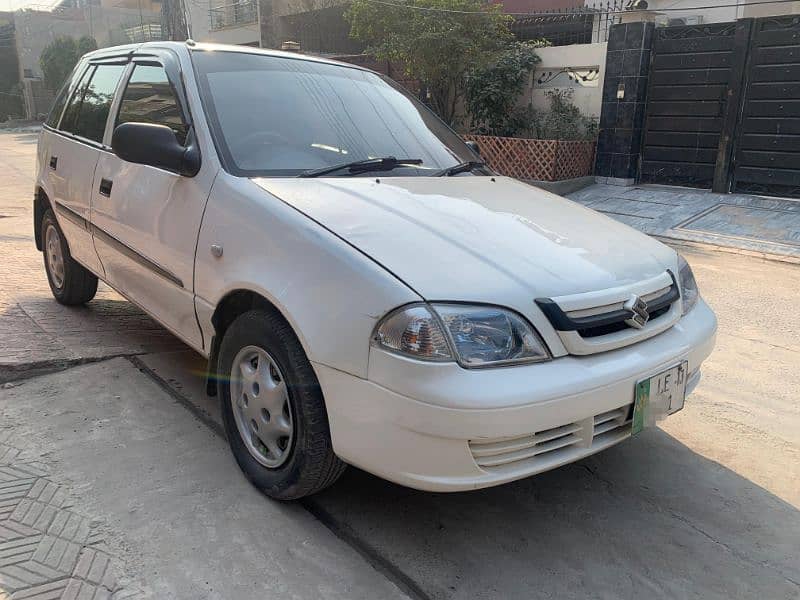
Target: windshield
<point x="277" y="116"/>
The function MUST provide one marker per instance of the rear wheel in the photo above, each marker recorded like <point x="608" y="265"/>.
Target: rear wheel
<point x="273" y="410"/>
<point x="69" y="281"/>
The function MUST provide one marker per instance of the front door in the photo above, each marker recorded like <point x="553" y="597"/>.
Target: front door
<point x="146" y="220"/>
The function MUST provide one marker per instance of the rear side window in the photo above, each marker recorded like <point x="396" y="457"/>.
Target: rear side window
<point x="91" y="117"/>
<point x="74" y="105"/>
<point x="61" y="100"/>
<point x="149" y="98"/>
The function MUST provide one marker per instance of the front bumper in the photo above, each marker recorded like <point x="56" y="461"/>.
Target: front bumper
<point x="427" y="425"/>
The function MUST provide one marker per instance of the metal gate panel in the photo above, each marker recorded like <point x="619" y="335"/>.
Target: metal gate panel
<point x="687" y="96"/>
<point x="767" y="154"/>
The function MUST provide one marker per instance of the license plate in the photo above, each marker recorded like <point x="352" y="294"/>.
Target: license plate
<point x="660" y="394"/>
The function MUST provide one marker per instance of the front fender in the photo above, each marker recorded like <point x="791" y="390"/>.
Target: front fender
<point x="330" y="293"/>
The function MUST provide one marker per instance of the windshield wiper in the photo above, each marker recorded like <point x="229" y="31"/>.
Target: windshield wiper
<point x="464" y="167"/>
<point x="386" y="163"/>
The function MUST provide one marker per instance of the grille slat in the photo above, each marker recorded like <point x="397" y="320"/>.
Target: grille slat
<point x="608" y="426"/>
<point x="555" y="445"/>
<point x="532" y="452"/>
<point x="607" y="416"/>
<point x="509" y="445"/>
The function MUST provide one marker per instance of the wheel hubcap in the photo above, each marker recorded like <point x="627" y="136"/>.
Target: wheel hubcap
<point x="55" y="259"/>
<point x="261" y="406"/>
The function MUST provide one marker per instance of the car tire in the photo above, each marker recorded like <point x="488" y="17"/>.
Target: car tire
<point x="71" y="283"/>
<point x="273" y="409"/>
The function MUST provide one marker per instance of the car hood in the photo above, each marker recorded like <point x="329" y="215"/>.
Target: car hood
<point x="477" y="239"/>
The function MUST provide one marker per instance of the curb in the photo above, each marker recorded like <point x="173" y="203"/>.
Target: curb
<point x="563" y="187"/>
<point x="792" y="260"/>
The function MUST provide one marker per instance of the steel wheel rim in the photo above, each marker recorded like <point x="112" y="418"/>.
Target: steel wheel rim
<point x="261" y="406"/>
<point x="55" y="258"/>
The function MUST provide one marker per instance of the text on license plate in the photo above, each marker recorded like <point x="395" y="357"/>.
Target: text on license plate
<point x="662" y="393"/>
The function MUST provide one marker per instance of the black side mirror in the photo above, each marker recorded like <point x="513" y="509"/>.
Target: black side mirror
<point x="473" y="145"/>
<point x="157" y="146"/>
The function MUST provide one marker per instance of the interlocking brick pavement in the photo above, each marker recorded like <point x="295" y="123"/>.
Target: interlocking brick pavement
<point x="48" y="548"/>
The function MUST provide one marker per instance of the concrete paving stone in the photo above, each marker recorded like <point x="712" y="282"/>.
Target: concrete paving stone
<point x="11" y="530"/>
<point x="83" y="590"/>
<point x="17" y="551"/>
<point x="7" y="453"/>
<point x="53" y="590"/>
<point x="769" y="226"/>
<point x="755" y="223"/>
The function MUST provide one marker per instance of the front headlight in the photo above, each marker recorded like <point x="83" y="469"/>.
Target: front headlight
<point x="689" y="291"/>
<point x="476" y="336"/>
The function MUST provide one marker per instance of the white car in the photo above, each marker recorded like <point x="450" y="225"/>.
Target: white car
<point x="365" y="290"/>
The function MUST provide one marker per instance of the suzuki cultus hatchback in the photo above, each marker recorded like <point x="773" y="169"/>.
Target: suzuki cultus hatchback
<point x="366" y="291"/>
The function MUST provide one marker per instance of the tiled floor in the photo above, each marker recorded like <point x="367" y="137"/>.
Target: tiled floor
<point x="752" y="223"/>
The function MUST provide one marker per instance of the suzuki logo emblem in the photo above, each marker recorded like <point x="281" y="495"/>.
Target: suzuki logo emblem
<point x="638" y="310"/>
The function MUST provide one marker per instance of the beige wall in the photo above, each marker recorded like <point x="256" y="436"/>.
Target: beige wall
<point x="200" y="30"/>
<point x="581" y="57"/>
<point x="770" y="10"/>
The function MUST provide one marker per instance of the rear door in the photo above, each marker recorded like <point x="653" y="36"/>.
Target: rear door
<point x="146" y="220"/>
<point x="70" y="152"/>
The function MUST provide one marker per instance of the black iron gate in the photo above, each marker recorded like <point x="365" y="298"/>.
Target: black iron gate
<point x="767" y="148"/>
<point x="723" y="107"/>
<point x="687" y="98"/>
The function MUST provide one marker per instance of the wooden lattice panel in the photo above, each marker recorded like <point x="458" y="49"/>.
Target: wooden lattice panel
<point x="574" y="159"/>
<point x="540" y="160"/>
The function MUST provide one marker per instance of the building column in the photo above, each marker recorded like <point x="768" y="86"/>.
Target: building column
<point x="623" y="106"/>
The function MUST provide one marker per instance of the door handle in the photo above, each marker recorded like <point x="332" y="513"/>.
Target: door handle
<point x="105" y="187"/>
<point x="53" y="162"/>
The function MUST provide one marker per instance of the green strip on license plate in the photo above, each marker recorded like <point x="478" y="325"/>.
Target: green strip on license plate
<point x="640" y="406"/>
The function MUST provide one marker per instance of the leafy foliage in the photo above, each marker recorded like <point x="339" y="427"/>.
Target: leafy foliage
<point x="436" y="47"/>
<point x="60" y="57"/>
<point x="564" y="121"/>
<point x="492" y="90"/>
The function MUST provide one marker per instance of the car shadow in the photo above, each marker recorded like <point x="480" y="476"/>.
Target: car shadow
<point x="647" y="517"/>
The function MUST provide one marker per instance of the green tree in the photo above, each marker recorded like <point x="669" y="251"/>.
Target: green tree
<point x="437" y="41"/>
<point x="60" y="56"/>
<point x="493" y="89"/>
<point x="86" y="44"/>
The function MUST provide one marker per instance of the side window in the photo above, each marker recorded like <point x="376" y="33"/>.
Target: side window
<point x="93" y="114"/>
<point x="69" y="85"/>
<point x="149" y="98"/>
<point x="74" y="104"/>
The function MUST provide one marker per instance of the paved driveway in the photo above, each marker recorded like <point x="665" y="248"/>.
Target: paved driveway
<point x="704" y="507"/>
<point x="754" y="225"/>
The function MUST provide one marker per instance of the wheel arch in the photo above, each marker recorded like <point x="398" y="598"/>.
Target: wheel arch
<point x="41" y="202"/>
<point x="234" y="303"/>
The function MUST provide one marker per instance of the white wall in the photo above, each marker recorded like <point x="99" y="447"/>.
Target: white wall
<point x="689" y="8"/>
<point x="578" y="58"/>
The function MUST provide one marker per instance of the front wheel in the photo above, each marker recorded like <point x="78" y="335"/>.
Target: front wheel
<point x="70" y="282"/>
<point x="273" y="410"/>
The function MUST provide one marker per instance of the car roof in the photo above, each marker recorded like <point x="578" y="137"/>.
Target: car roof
<point x="192" y="45"/>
